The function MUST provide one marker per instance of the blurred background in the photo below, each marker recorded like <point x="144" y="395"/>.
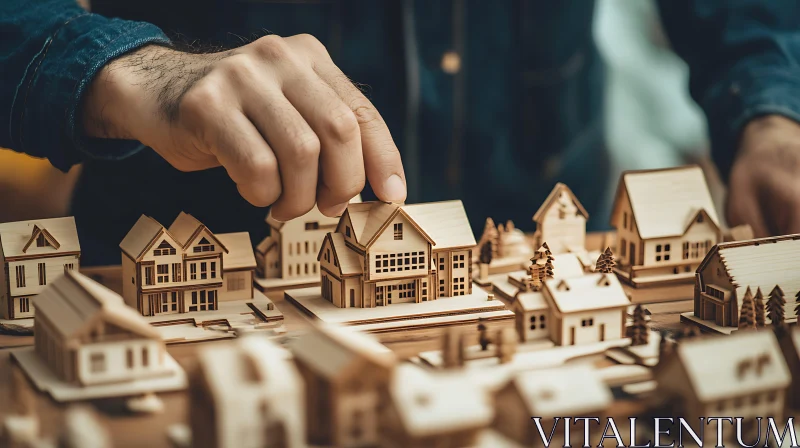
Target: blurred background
<point x="651" y="120"/>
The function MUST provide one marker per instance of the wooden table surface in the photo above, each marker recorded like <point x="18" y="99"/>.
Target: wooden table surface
<point x="151" y="430"/>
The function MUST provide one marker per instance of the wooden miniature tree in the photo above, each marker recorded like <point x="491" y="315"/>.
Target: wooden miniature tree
<point x="534" y="281"/>
<point x="797" y="307"/>
<point x="641" y="330"/>
<point x="747" y="318"/>
<point x="487" y="253"/>
<point x="775" y="309"/>
<point x="600" y="265"/>
<point x="605" y="263"/>
<point x="758" y="302"/>
<point x="544" y="258"/>
<point x="490" y="235"/>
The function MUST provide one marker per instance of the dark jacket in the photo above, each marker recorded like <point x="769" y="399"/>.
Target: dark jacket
<point x="523" y="111"/>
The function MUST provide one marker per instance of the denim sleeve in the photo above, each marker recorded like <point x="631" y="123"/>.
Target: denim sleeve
<point x="50" y="50"/>
<point x="743" y="59"/>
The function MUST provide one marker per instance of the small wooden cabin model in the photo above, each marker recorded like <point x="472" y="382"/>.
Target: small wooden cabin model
<point x="247" y="393"/>
<point x="32" y="255"/>
<point x="86" y="334"/>
<point x="561" y="222"/>
<point x="383" y="254"/>
<point x="347" y="376"/>
<point x="428" y="409"/>
<point x="183" y="268"/>
<point x="571" y="390"/>
<point x="730" y="268"/>
<point x="743" y="375"/>
<point x="666" y="223"/>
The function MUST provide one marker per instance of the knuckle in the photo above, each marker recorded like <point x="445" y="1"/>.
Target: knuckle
<point x="343" y="125"/>
<point x="261" y="169"/>
<point x="200" y="100"/>
<point x="311" y="43"/>
<point x="272" y="47"/>
<point x="240" y="67"/>
<point x="365" y="113"/>
<point x="306" y="149"/>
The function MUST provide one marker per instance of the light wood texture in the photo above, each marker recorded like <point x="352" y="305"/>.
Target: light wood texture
<point x="561" y="221"/>
<point x="665" y="221"/>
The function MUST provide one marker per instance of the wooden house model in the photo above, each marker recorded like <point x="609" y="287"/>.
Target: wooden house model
<point x="86" y="335"/>
<point x="743" y="374"/>
<point x="665" y="222"/>
<point x="32" y="255"/>
<point x="730" y="268"/>
<point x="427" y="409"/>
<point x="182" y="269"/>
<point x="347" y="376"/>
<point x="246" y="393"/>
<point x="547" y="393"/>
<point x="561" y="222"/>
<point x="383" y="253"/>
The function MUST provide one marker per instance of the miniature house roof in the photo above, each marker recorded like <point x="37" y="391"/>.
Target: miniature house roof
<point x="251" y="368"/>
<point x="334" y="351"/>
<point x="347" y="258"/>
<point x="531" y="301"/>
<point x="432" y="403"/>
<point x="445" y="222"/>
<point x="566" y="265"/>
<point x="313" y="215"/>
<point x="73" y="300"/>
<point x="567" y="390"/>
<point x="16" y="238"/>
<point x="265" y="245"/>
<point x="723" y="367"/>
<point x="186" y="226"/>
<point x="240" y="252"/>
<point x="589" y="292"/>
<point x="368" y="218"/>
<point x="146" y="230"/>
<point x="761" y="263"/>
<point x="664" y="202"/>
<point x="559" y="192"/>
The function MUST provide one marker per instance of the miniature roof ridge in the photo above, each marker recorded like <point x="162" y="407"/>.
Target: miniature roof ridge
<point x="240" y="255"/>
<point x="553" y="196"/>
<point x="16" y="237"/>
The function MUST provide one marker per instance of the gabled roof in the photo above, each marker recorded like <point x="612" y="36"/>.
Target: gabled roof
<point x="554" y="196"/>
<point x="141" y="236"/>
<point x="240" y="252"/>
<point x="531" y="301"/>
<point x="16" y="238"/>
<point x="664" y="202"/>
<point x="445" y="222"/>
<point x="567" y="390"/>
<point x="265" y="245"/>
<point x="186" y="227"/>
<point x="368" y="218"/>
<point x="347" y="258"/>
<point x="589" y="292"/>
<point x="723" y="367"/>
<point x="333" y="351"/>
<point x="434" y="403"/>
<point x="73" y="300"/>
<point x="761" y="263"/>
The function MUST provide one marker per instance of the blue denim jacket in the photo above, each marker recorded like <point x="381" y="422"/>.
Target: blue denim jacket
<point x="523" y="110"/>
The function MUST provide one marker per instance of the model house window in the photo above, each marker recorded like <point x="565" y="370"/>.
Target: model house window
<point x="145" y="358"/>
<point x="347" y="231"/>
<point x="306" y="246"/>
<point x="624" y="220"/>
<point x="398" y="231"/>
<point x="290" y="270"/>
<point x="587" y="322"/>
<point x="20" y="271"/>
<point x="235" y="283"/>
<point x="622" y="247"/>
<point x="42" y="274"/>
<point x="662" y="252"/>
<point x="97" y="362"/>
<point x="176" y="272"/>
<point x="212" y="298"/>
<point x="533" y="322"/>
<point x="164" y="249"/>
<point x="24" y="305"/>
<point x="441" y="286"/>
<point x="68" y="267"/>
<point x="441" y="263"/>
<point x="193" y="306"/>
<point x="541" y="321"/>
<point x="298" y="247"/>
<point x="312" y="225"/>
<point x="41" y="241"/>
<point x="129" y="357"/>
<point x="314" y="267"/>
<point x="149" y="279"/>
<point x="163" y="273"/>
<point x="193" y="271"/>
<point x="213" y="269"/>
<point x="700" y="217"/>
<point x="424" y="292"/>
<point x="203" y="246"/>
<point x="399" y="261"/>
<point x="203" y="270"/>
<point x="290" y="249"/>
<point x="458" y="261"/>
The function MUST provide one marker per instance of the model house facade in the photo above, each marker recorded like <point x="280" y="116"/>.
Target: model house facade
<point x="346" y="376"/>
<point x="665" y="222"/>
<point x="86" y="334"/>
<point x="247" y="394"/>
<point x="561" y="222"/>
<point x="730" y="268"/>
<point x="183" y="269"/>
<point x="743" y="374"/>
<point x="382" y="254"/>
<point x="33" y="254"/>
<point x="531" y="316"/>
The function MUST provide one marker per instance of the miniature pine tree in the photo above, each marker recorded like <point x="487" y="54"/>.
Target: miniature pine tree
<point x="758" y="301"/>
<point x="600" y="265"/>
<point x="546" y="259"/>
<point x="797" y="307"/>
<point x="747" y="313"/>
<point x="610" y="261"/>
<point x="535" y="281"/>
<point x="775" y="309"/>
<point x="641" y="331"/>
<point x="490" y="234"/>
<point x="486" y="254"/>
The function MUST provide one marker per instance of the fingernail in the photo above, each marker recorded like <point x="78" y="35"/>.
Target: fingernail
<point x="395" y="189"/>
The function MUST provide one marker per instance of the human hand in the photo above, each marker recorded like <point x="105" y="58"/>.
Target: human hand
<point x="764" y="187"/>
<point x="288" y="126"/>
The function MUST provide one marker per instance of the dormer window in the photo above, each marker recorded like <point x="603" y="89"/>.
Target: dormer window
<point x="347" y="231"/>
<point x="203" y="246"/>
<point x="41" y="241"/>
<point x="398" y="231"/>
<point x="164" y="249"/>
<point x="700" y="217"/>
<point x="562" y="286"/>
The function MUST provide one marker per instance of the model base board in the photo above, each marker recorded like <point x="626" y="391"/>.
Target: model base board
<point x="445" y="311"/>
<point x="46" y="381"/>
<point x="20" y="324"/>
<point x="280" y="284"/>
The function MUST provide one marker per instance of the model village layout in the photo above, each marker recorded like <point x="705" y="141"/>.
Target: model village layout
<point x="392" y="325"/>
